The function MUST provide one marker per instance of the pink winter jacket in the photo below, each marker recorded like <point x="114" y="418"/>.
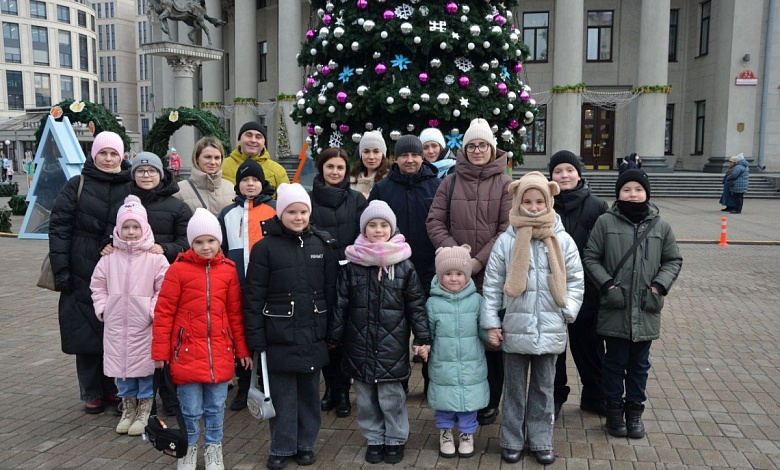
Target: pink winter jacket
<point x="124" y="291"/>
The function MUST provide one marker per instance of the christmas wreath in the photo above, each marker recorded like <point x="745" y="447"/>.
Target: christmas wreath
<point x="96" y="116"/>
<point x="172" y="119"/>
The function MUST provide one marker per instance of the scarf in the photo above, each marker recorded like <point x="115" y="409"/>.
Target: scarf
<point x="381" y="254"/>
<point x="540" y="227"/>
<point x="634" y="211"/>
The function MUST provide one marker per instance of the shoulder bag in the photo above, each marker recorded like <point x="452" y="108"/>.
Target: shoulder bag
<point x="169" y="441"/>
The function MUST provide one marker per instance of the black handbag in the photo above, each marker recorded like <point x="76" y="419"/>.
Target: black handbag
<point x="169" y="441"/>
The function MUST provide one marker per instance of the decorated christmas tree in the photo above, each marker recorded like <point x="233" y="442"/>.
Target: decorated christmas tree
<point x="402" y="66"/>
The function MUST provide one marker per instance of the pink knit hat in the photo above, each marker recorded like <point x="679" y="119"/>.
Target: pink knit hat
<point x="202" y="223"/>
<point x="453" y="258"/>
<point x="109" y="140"/>
<point x="132" y="209"/>
<point x="287" y="194"/>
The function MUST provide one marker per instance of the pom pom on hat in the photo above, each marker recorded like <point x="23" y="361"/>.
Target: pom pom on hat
<point x="453" y="258"/>
<point x="432" y="134"/>
<point x="253" y="126"/>
<point x="147" y="159"/>
<point x="408" y="144"/>
<point x="377" y="209"/>
<point x="532" y="180"/>
<point x="632" y="175"/>
<point x="479" y="129"/>
<point x="287" y="194"/>
<point x="373" y="140"/>
<point x="109" y="140"/>
<point x="564" y="156"/>
<point x="202" y="223"/>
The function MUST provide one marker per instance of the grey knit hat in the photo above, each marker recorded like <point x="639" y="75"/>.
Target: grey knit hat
<point x="408" y="144"/>
<point x="377" y="209"/>
<point x="147" y="159"/>
<point x="373" y="140"/>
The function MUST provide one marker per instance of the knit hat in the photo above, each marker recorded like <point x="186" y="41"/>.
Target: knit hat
<point x="432" y="134"/>
<point x="564" y="156"/>
<point x="373" y="140"/>
<point x="532" y="180"/>
<point x="132" y="209"/>
<point x="147" y="159"/>
<point x="287" y="194"/>
<point x="377" y="209"/>
<point x="249" y="168"/>
<point x="479" y="129"/>
<point x="203" y="222"/>
<point x="109" y="140"/>
<point x="453" y="258"/>
<point x="408" y="144"/>
<point x="253" y="126"/>
<point x="632" y="175"/>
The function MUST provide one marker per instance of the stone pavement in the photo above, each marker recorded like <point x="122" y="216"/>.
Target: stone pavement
<point x="713" y="389"/>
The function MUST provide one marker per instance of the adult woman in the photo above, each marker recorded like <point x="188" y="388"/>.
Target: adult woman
<point x="437" y="152"/>
<point x="336" y="209"/>
<point x="82" y="220"/>
<point x="372" y="165"/>
<point x="738" y="181"/>
<point x="472" y="207"/>
<point x="205" y="187"/>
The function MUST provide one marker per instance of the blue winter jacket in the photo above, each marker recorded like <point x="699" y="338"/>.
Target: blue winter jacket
<point x="739" y="176"/>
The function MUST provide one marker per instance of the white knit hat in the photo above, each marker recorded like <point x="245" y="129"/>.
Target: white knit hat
<point x="377" y="209"/>
<point x="287" y="194"/>
<point x="479" y="129"/>
<point x="373" y="140"/>
<point x="203" y="222"/>
<point x="432" y="134"/>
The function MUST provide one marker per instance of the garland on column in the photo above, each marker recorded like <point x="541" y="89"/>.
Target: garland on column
<point x="282" y="139"/>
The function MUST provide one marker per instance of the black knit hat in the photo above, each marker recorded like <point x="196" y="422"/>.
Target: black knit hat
<point x="564" y="156"/>
<point x="253" y="126"/>
<point x="632" y="175"/>
<point x="249" y="168"/>
<point x="408" y="144"/>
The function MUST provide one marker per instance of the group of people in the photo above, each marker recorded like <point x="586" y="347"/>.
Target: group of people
<point x="735" y="184"/>
<point x="7" y="173"/>
<point x="484" y="275"/>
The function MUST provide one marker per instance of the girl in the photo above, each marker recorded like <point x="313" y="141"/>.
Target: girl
<point x="124" y="286"/>
<point x="372" y="163"/>
<point x="198" y="329"/>
<point x="289" y="293"/>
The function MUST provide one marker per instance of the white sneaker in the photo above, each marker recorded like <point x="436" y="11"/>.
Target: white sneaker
<point x="213" y="456"/>
<point x="446" y="443"/>
<point x="466" y="445"/>
<point x="190" y="461"/>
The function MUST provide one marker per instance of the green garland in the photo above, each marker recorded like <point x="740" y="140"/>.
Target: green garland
<point x="576" y="88"/>
<point x="98" y="114"/>
<point x="159" y="135"/>
<point x="652" y="89"/>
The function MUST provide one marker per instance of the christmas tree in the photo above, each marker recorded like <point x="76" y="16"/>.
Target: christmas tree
<point x="402" y="66"/>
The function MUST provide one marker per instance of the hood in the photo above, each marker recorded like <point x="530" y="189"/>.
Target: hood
<point x="189" y="256"/>
<point x="239" y="157"/>
<point x="144" y="244"/>
<point x="438" y="291"/>
<point x="205" y="180"/>
<point x="468" y="171"/>
<point x="571" y="198"/>
<point x="329" y="196"/>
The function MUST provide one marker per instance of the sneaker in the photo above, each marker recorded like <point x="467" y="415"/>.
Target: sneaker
<point x="213" y="457"/>
<point x="446" y="444"/>
<point x="94" y="406"/>
<point x="190" y="461"/>
<point x="394" y="454"/>
<point x="466" y="445"/>
<point x="128" y="415"/>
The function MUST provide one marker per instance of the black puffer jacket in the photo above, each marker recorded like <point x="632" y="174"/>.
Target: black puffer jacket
<point x="77" y="233"/>
<point x="373" y="319"/>
<point x="579" y="210"/>
<point x="289" y="296"/>
<point x="167" y="215"/>
<point x="337" y="210"/>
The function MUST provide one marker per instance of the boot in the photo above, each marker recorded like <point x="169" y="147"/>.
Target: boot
<point x="616" y="425"/>
<point x="190" y="461"/>
<point x="344" y="407"/>
<point x="128" y="414"/>
<point x="466" y="445"/>
<point x="143" y="410"/>
<point x="213" y="457"/>
<point x="239" y="401"/>
<point x="328" y="401"/>
<point x="636" y="429"/>
<point x="446" y="444"/>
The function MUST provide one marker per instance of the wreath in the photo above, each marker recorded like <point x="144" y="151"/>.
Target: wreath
<point x="96" y="116"/>
<point x="172" y="119"/>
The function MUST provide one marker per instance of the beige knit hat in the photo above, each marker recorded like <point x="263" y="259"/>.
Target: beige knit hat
<point x="479" y="129"/>
<point x="453" y="258"/>
<point x="532" y="180"/>
<point x="373" y="140"/>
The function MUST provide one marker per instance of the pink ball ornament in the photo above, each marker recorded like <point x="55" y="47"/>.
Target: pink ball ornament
<point x="452" y="8"/>
<point x="388" y="15"/>
<point x="433" y="123"/>
<point x="310" y="34"/>
<point x="325" y="69"/>
<point x="362" y="4"/>
<point x="518" y="67"/>
<point x="499" y="19"/>
<point x="341" y="97"/>
<point x="343" y="128"/>
<point x="502" y="89"/>
<point x="463" y="81"/>
<point x="423" y="77"/>
<point x="524" y="95"/>
<point x="513" y="124"/>
<point x="380" y="69"/>
<point x="310" y="129"/>
<point x="310" y="81"/>
<point x="327" y="19"/>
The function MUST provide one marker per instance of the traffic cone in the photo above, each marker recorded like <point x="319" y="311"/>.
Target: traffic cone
<point x="723" y="232"/>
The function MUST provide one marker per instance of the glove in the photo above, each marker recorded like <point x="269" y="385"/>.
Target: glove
<point x="63" y="283"/>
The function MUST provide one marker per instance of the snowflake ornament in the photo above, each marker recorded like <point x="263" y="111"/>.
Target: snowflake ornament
<point x="423" y="10"/>
<point x="401" y="62"/>
<point x="336" y="139"/>
<point x="455" y="36"/>
<point x="463" y="64"/>
<point x="437" y="26"/>
<point x="345" y="74"/>
<point x="340" y="19"/>
<point x="449" y="79"/>
<point x="464" y="102"/>
<point x="454" y="141"/>
<point x="404" y="11"/>
<point x="323" y="90"/>
<point x="504" y="72"/>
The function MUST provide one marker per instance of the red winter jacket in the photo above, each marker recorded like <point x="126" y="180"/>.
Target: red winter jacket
<point x="198" y="321"/>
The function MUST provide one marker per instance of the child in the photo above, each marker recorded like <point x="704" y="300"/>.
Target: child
<point x="198" y="329"/>
<point x="124" y="287"/>
<point x="289" y="294"/>
<point x="241" y="229"/>
<point x="534" y="273"/>
<point x="457" y="366"/>
<point x="379" y="298"/>
<point x="9" y="173"/>
<point x="632" y="297"/>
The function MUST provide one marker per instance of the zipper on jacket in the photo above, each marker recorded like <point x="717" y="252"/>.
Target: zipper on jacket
<point x="301" y="239"/>
<point x="178" y="344"/>
<point x="208" y="319"/>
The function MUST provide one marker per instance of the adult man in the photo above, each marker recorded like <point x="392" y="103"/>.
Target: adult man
<point x="251" y="144"/>
<point x="6" y="165"/>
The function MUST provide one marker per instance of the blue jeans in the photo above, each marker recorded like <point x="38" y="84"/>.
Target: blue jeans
<point x="203" y="400"/>
<point x="138" y="387"/>
<point x="296" y="399"/>
<point x="382" y="415"/>
<point x="626" y="366"/>
<point x="467" y="420"/>
<point x="528" y="401"/>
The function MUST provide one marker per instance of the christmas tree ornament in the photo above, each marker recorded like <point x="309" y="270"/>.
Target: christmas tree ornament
<point x="523" y="147"/>
<point x="406" y="28"/>
<point x="380" y="69"/>
<point x="329" y="85"/>
<point x="309" y="110"/>
<point x="401" y="62"/>
<point x="361" y="90"/>
<point x="310" y="129"/>
<point x="313" y="51"/>
<point x="368" y="25"/>
<point x="509" y="156"/>
<point x="451" y="8"/>
<point x="502" y="88"/>
<point x="463" y="81"/>
<point x="494" y="63"/>
<point x="404" y="92"/>
<point x="324" y="42"/>
<point x="532" y="102"/>
<point x="388" y="15"/>
<point x="463" y="64"/>
<point x="338" y="31"/>
<point x="322" y="99"/>
<point x="360" y="21"/>
<point x="465" y="9"/>
<point x="410" y="127"/>
<point x="362" y="4"/>
<point x="325" y="70"/>
<point x="524" y="95"/>
<point x="456" y="35"/>
<point x="320" y="12"/>
<point x="483" y="90"/>
<point x="475" y="30"/>
<point x="443" y="98"/>
<point x="496" y="111"/>
<point x="355" y="46"/>
<point x="331" y="109"/>
<point x="329" y="6"/>
<point x="456" y="113"/>
<point x="506" y="135"/>
<point x="485" y="67"/>
<point x="522" y="131"/>
<point x="416" y="107"/>
<point x="359" y="70"/>
<point x="513" y="124"/>
<point x="390" y="100"/>
<point x="327" y="19"/>
<point x="435" y="63"/>
<point x="486" y="44"/>
<point x="356" y="137"/>
<point x="508" y="14"/>
<point x="433" y="123"/>
<point x="449" y="79"/>
<point x="423" y="77"/>
<point x="310" y="81"/>
<point x="492" y="76"/>
<point x="324" y="32"/>
<point x="423" y="10"/>
<point x="471" y="46"/>
<point x="376" y="55"/>
<point x="369" y="126"/>
<point x="395" y="135"/>
<point x="318" y="130"/>
<point x="464" y="19"/>
<point x="343" y="128"/>
<point x="443" y="45"/>
<point x="301" y="103"/>
<point x="404" y="11"/>
<point x="529" y="117"/>
<point x="341" y="97"/>
<point x="505" y="46"/>
<point x="510" y="107"/>
<point x="514" y="38"/>
<point x="348" y="105"/>
<point x="310" y="34"/>
<point x="494" y="128"/>
<point x="339" y="47"/>
<point x="383" y="35"/>
<point x="499" y="19"/>
<point x="425" y="97"/>
<point x="495" y="30"/>
<point x="464" y="102"/>
<point x="417" y="40"/>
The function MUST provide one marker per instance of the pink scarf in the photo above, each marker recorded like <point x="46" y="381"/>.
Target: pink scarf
<point x="382" y="254"/>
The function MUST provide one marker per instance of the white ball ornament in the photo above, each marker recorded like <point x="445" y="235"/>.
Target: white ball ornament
<point x="356" y="137"/>
<point x="416" y="107"/>
<point x="404" y="92"/>
<point x="376" y="55"/>
<point x="455" y="112"/>
<point x="464" y="19"/>
<point x="339" y="47"/>
<point x="523" y="147"/>
<point x="417" y="39"/>
<point x="309" y="111"/>
<point x="514" y="38"/>
<point x="483" y="90"/>
<point x="475" y="30"/>
<point x="443" y="46"/>
<point x="484" y="67"/>
<point x="509" y="155"/>
<point x="505" y="47"/>
<point x="506" y="135"/>
<point x="369" y="126"/>
<point x="443" y="98"/>
<point x="522" y="131"/>
<point x="313" y="51"/>
<point x="410" y="127"/>
<point x="299" y="94"/>
<point x="333" y="126"/>
<point x="338" y="32"/>
<point x="425" y="97"/>
<point x="532" y="102"/>
<point x="395" y="135"/>
<point x="496" y="111"/>
<point x="322" y="99"/>
<point x="324" y="42"/>
<point x="301" y="103"/>
<point x="518" y="53"/>
<point x="510" y="107"/>
<point x="359" y="70"/>
<point x="511" y="96"/>
<point x="348" y="105"/>
<point x="508" y="15"/>
<point x="330" y="85"/>
<point x="320" y="12"/>
<point x="383" y="35"/>
<point x="318" y="130"/>
<point x="492" y="76"/>
<point x="494" y="63"/>
<point x="331" y="109"/>
<point x="390" y="100"/>
<point x="454" y="131"/>
<point x="465" y="9"/>
<point x="360" y="21"/>
<point x="435" y="63"/>
<point x="486" y="44"/>
<point x="368" y="25"/>
<point x="494" y="128"/>
<point x="324" y="32"/>
<point x="406" y="27"/>
<point x="495" y="30"/>
<point x="471" y="46"/>
<point x="355" y="46"/>
<point x="527" y="88"/>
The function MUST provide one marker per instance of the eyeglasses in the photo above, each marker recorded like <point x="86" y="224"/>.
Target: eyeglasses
<point x="151" y="172"/>
<point x="473" y="147"/>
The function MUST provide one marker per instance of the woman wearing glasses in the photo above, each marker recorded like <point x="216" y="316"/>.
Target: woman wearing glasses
<point x="472" y="207"/>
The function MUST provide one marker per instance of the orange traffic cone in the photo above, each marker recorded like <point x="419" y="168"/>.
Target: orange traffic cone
<point x="723" y="232"/>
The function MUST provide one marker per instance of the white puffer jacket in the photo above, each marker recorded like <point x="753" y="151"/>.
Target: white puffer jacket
<point x="533" y="323"/>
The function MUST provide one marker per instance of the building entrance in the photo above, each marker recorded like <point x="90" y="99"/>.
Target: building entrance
<point x="598" y="138"/>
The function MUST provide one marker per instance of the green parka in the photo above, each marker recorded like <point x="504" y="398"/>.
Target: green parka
<point x="631" y="310"/>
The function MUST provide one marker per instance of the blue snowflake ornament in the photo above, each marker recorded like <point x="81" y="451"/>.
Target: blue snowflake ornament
<point x="454" y="141"/>
<point x="504" y="73"/>
<point x="401" y="62"/>
<point x="346" y="72"/>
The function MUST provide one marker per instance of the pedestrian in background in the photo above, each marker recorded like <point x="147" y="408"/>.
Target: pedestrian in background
<point x="738" y="181"/>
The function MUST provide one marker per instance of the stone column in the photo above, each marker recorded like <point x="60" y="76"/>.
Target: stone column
<point x="213" y="88"/>
<point x="243" y="64"/>
<point x="566" y="110"/>
<point x="290" y="34"/>
<point x="653" y="70"/>
<point x="184" y="69"/>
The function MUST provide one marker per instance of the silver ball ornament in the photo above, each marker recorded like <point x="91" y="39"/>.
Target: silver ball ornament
<point x="390" y="100"/>
<point x="443" y="98"/>
<point x="425" y="97"/>
<point x="406" y="27"/>
<point x="322" y="99"/>
<point x="356" y="137"/>
<point x="483" y="90"/>
<point x="395" y="135"/>
<point x="331" y="109"/>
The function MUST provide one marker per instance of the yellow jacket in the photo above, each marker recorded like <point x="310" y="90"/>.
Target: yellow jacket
<point x="275" y="174"/>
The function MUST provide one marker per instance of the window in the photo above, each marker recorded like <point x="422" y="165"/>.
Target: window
<point x="94" y="57"/>
<point x="66" y="87"/>
<point x="144" y="30"/>
<point x="536" y="137"/>
<point x="100" y="37"/>
<point x="83" y="53"/>
<point x="9" y="7"/>
<point x="63" y="14"/>
<point x="116" y="100"/>
<point x="85" y="89"/>
<point x="599" y="36"/>
<point x="111" y="5"/>
<point x="704" y="29"/>
<point x="110" y="104"/>
<point x="98" y="9"/>
<point x="113" y="37"/>
<point x="15" y="89"/>
<point x="141" y="95"/>
<point x="42" y="89"/>
<point x="13" y="53"/>
<point x="146" y="67"/>
<point x="113" y="68"/>
<point x="103" y="96"/>
<point x="40" y="40"/>
<point x="674" y="18"/>
<point x="66" y="53"/>
<point x="226" y="78"/>
<point x="535" y="29"/>
<point x="101" y="75"/>
<point x="144" y="127"/>
<point x="699" y="143"/>
<point x="37" y="9"/>
<point x="82" y="19"/>
<point x="140" y="34"/>
<point x="669" y="134"/>
<point x="262" y="64"/>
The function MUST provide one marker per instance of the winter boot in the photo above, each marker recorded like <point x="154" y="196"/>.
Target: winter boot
<point x="466" y="445"/>
<point x="343" y="406"/>
<point x="616" y="425"/>
<point x="190" y="461"/>
<point x="213" y="456"/>
<point x="143" y="410"/>
<point x="128" y="414"/>
<point x="328" y="401"/>
<point x="636" y="429"/>
<point x="446" y="444"/>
